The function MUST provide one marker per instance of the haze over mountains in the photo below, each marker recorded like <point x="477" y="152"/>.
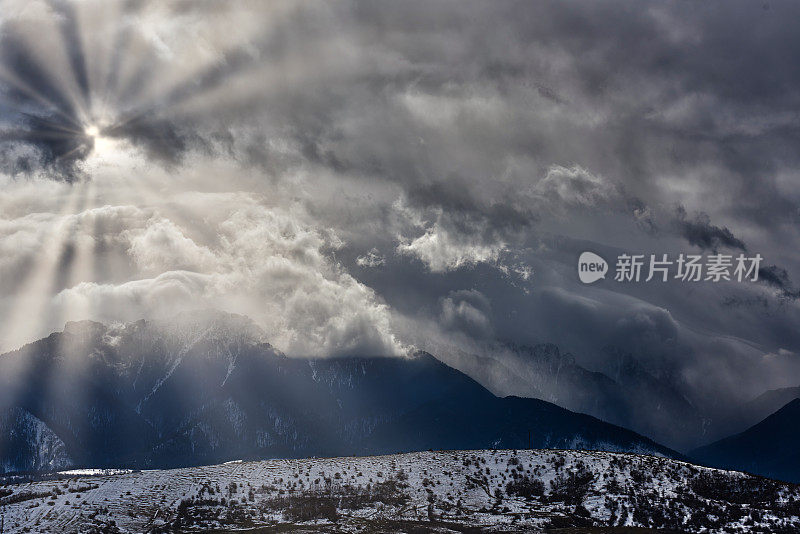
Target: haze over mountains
<point x="768" y="448"/>
<point x="631" y="397"/>
<point x="206" y="389"/>
<point x="757" y="409"/>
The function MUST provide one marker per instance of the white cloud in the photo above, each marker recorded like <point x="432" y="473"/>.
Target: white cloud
<point x="443" y="250"/>
<point x="162" y="246"/>
<point x="467" y="311"/>
<point x="373" y="258"/>
<point x="181" y="248"/>
<point x="574" y="187"/>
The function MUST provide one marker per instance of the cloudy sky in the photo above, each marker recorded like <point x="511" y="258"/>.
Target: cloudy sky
<point x="375" y="177"/>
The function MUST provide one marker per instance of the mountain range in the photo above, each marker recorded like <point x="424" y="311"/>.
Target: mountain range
<point x="209" y="388"/>
<point x="630" y="396"/>
<point x="768" y="448"/>
<point x="755" y="410"/>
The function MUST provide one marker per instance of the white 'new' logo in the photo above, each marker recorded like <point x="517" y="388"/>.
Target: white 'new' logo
<point x="591" y="267"/>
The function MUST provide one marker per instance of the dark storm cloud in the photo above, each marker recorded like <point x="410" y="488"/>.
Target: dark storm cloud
<point x="47" y="120"/>
<point x="56" y="148"/>
<point x="48" y="93"/>
<point x="464" y="209"/>
<point x="778" y="278"/>
<point x="699" y="231"/>
<point x="775" y="276"/>
<point x="467" y="108"/>
<point x="161" y="139"/>
<point x="68" y="24"/>
<point x="658" y="111"/>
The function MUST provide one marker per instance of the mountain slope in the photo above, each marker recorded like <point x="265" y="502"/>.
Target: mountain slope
<point x="209" y="389"/>
<point x="631" y="396"/>
<point x="755" y="410"/>
<point x="770" y="448"/>
<point x="446" y="491"/>
<point x="29" y="445"/>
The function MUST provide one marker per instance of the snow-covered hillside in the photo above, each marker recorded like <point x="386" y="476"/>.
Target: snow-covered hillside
<point x="519" y="491"/>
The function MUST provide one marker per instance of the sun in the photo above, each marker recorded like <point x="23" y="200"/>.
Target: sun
<point x="97" y="142"/>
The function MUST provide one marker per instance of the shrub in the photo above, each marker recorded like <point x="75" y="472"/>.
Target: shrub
<point x="571" y="488"/>
<point x="526" y="487"/>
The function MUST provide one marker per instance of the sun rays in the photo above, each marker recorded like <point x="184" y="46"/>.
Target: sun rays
<point x="108" y="67"/>
<point x="115" y="143"/>
<point x="32" y="298"/>
<point x="90" y="83"/>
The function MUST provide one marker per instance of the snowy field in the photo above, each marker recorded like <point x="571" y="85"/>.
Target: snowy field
<point x="493" y="491"/>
